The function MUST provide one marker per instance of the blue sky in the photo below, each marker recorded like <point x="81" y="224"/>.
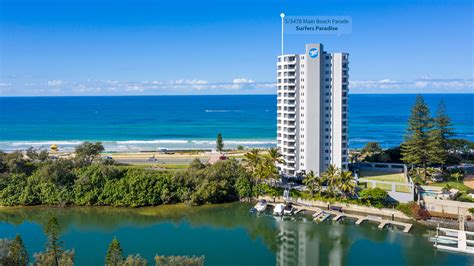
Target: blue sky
<point x="225" y="47"/>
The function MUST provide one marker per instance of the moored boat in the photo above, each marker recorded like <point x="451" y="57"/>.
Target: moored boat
<point x="261" y="206"/>
<point x="278" y="210"/>
<point x="289" y="209"/>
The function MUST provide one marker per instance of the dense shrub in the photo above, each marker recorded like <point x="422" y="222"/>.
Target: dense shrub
<point x="212" y="184"/>
<point x="61" y="182"/>
<point x="376" y="197"/>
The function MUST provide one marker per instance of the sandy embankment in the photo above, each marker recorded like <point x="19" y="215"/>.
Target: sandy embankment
<point x="469" y="181"/>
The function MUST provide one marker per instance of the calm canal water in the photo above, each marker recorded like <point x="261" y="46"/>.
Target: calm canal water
<point x="225" y="234"/>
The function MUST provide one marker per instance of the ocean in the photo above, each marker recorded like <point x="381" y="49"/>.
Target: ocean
<point x="134" y="123"/>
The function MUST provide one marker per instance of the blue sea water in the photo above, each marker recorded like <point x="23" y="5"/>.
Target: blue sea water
<point x="151" y="122"/>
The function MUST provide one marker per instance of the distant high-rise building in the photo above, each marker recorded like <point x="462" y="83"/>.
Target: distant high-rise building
<point x="312" y="108"/>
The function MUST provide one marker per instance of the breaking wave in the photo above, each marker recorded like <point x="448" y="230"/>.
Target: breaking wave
<point x="137" y="145"/>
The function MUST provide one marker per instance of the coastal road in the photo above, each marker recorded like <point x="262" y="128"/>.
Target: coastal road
<point x="160" y="160"/>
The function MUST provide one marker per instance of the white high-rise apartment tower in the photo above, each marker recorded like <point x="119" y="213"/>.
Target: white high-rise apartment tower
<point x="312" y="110"/>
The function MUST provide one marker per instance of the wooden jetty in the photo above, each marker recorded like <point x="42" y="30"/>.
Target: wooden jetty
<point x="359" y="218"/>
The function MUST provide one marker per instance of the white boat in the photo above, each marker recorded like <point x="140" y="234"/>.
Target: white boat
<point x="261" y="205"/>
<point x="289" y="209"/>
<point x="278" y="210"/>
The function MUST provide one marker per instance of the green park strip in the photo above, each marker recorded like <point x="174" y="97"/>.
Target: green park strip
<point x="382" y="176"/>
<point x="452" y="184"/>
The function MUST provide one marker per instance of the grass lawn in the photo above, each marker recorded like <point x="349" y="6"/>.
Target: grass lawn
<point x="173" y="166"/>
<point x="384" y="186"/>
<point x="156" y="166"/>
<point x="402" y="188"/>
<point x="452" y="184"/>
<point x="382" y="176"/>
<point x="363" y="185"/>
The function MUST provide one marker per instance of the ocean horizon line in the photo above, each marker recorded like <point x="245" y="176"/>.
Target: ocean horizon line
<point x="254" y="94"/>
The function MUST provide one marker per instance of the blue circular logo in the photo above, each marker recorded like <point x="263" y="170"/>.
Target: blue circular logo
<point x="313" y="52"/>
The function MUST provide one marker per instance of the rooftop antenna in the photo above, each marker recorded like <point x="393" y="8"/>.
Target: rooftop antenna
<point x="282" y="15"/>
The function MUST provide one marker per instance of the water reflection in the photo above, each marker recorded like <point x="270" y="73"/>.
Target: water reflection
<point x="301" y="243"/>
<point x="224" y="231"/>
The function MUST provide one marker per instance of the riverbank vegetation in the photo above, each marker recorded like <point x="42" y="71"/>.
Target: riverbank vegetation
<point x="87" y="179"/>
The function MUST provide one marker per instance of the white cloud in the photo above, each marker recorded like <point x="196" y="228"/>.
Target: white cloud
<point x="242" y="80"/>
<point x="422" y="85"/>
<point x="56" y="82"/>
<point x="238" y="85"/>
<point x="189" y="82"/>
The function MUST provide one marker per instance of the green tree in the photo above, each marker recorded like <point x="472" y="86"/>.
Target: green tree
<point x="457" y="176"/>
<point x="331" y="175"/>
<point x="114" y="255"/>
<point x="252" y="160"/>
<point x="312" y="182"/>
<point x="196" y="164"/>
<point x="87" y="152"/>
<point x="347" y="183"/>
<point x="394" y="154"/>
<point x="134" y="260"/>
<point x="441" y="134"/>
<point x="179" y="260"/>
<point x="65" y="259"/>
<point x="243" y="185"/>
<point x="354" y="156"/>
<point x="17" y="254"/>
<point x="17" y="164"/>
<point x="34" y="154"/>
<point x="275" y="155"/>
<point x="374" y="196"/>
<point x="219" y="143"/>
<point x="371" y="148"/>
<point x="459" y="150"/>
<point x="54" y="248"/>
<point x="58" y="172"/>
<point x="417" y="148"/>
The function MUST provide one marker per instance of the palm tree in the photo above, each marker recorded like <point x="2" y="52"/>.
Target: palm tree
<point x="252" y="158"/>
<point x="457" y="176"/>
<point x="275" y="155"/>
<point x="321" y="180"/>
<point x="311" y="182"/>
<point x="332" y="177"/>
<point x="347" y="183"/>
<point x="355" y="156"/>
<point x="271" y="169"/>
